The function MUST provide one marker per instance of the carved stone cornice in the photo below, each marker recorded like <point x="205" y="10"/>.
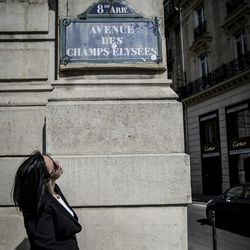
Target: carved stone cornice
<point x="237" y="20"/>
<point x="190" y="4"/>
<point x="197" y="3"/>
<point x="201" y="45"/>
<point x="24" y="94"/>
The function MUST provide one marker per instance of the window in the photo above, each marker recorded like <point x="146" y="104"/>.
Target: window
<point x="209" y="135"/>
<point x="200" y="22"/>
<point x="240" y="43"/>
<point x="236" y="192"/>
<point x="243" y="123"/>
<point x="200" y="17"/>
<point x="204" y="66"/>
<point x="210" y="154"/>
<point x="209" y="132"/>
<point x="239" y="122"/>
<point x="238" y="131"/>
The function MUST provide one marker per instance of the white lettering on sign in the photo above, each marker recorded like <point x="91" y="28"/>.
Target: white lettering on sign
<point x="133" y="51"/>
<point x="112" y="29"/>
<point x="100" y="9"/>
<point x="120" y="10"/>
<point x="112" y="9"/>
<point x="237" y="144"/>
<point x="79" y="52"/>
<point x="209" y="148"/>
<point x="127" y="41"/>
<point x="111" y="40"/>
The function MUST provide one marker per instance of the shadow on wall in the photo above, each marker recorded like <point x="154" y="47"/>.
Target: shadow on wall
<point x="24" y="245"/>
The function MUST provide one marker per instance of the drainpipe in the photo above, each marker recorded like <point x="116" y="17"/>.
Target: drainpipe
<point x="184" y="79"/>
<point x="182" y="45"/>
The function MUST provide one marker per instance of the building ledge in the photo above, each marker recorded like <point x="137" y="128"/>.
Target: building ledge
<point x="236" y="18"/>
<point x="201" y="44"/>
<point x="229" y="84"/>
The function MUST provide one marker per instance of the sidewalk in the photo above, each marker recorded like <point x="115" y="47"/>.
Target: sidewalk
<point x="202" y="198"/>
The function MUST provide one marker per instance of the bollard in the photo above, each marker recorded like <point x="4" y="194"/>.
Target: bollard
<point x="214" y="231"/>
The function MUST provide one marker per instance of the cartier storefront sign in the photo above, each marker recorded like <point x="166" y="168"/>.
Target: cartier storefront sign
<point x="241" y="144"/>
<point x="210" y="150"/>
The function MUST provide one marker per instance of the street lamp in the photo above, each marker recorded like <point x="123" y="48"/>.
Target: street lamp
<point x="182" y="42"/>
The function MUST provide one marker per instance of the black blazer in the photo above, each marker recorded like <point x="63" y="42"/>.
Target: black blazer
<point x="54" y="228"/>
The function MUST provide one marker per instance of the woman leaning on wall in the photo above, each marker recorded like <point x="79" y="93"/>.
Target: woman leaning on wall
<point x="49" y="220"/>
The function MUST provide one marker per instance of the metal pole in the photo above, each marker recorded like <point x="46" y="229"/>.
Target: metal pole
<point x="182" y="47"/>
<point x="214" y="232"/>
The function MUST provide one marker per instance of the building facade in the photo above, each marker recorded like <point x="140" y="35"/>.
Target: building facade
<point x="110" y="118"/>
<point x="208" y="45"/>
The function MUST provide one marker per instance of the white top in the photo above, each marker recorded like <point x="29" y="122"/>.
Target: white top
<point x="59" y="199"/>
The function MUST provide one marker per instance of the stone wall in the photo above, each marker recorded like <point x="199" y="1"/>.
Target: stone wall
<point x="27" y="33"/>
<point x="117" y="134"/>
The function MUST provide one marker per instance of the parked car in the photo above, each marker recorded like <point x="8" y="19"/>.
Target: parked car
<point x="233" y="206"/>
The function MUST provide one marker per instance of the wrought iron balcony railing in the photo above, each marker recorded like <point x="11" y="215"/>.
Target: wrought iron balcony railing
<point x="224" y="72"/>
<point x="233" y="5"/>
<point x="200" y="29"/>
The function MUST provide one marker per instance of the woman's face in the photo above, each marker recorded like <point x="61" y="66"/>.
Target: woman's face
<point x="53" y="167"/>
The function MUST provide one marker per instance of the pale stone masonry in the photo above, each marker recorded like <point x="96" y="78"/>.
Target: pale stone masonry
<point x="117" y="133"/>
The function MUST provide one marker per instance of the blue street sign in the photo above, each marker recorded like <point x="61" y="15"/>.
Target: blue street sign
<point x="115" y="40"/>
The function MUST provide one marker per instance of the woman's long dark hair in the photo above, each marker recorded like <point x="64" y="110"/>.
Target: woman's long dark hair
<point x="30" y="183"/>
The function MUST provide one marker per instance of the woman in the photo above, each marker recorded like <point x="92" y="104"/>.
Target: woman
<point x="49" y="220"/>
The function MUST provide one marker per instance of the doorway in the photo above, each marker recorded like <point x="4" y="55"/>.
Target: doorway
<point x="210" y="154"/>
<point x="212" y="175"/>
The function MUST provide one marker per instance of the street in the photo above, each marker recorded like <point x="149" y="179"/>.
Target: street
<point x="200" y="233"/>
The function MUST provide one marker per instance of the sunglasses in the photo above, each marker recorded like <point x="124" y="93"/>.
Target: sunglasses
<point x="55" y="168"/>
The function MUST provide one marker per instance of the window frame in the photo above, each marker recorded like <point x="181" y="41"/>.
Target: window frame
<point x="199" y="15"/>
<point x="203" y="60"/>
<point x="241" y="39"/>
<point x="234" y="197"/>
